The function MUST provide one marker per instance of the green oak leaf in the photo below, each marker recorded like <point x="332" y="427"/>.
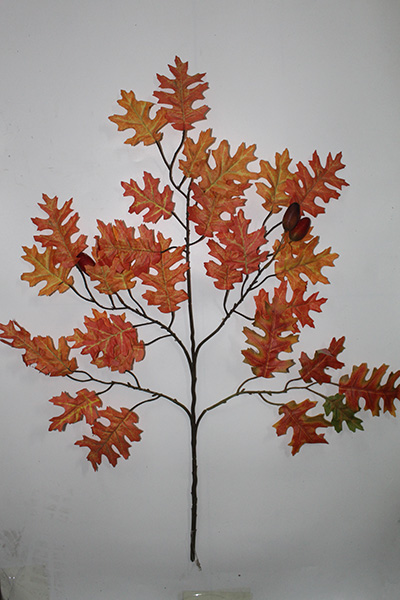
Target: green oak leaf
<point x="341" y="413"/>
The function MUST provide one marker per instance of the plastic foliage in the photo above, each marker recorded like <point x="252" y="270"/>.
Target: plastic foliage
<point x="139" y="283"/>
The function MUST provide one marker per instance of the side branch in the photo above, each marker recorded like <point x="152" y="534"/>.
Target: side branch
<point x="261" y="394"/>
<point x="138" y="388"/>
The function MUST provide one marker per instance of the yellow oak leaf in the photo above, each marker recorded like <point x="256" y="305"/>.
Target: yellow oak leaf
<point x="57" y="278"/>
<point x="298" y="259"/>
<point x="137" y="117"/>
<point x="274" y="192"/>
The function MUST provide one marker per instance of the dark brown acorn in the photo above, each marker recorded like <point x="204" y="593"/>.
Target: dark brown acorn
<point x="291" y="216"/>
<point x="300" y="231"/>
<point x="84" y="260"/>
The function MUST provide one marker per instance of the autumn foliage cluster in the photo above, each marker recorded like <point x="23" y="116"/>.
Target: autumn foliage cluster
<point x="133" y="276"/>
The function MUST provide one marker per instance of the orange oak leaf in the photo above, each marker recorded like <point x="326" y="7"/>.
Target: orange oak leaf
<point x="110" y="277"/>
<point x="280" y="311"/>
<point x="196" y="154"/>
<point x="225" y="272"/>
<point x="16" y="336"/>
<point x="230" y="175"/>
<point x="110" y="340"/>
<point x="62" y="224"/>
<point x="305" y="188"/>
<point x="371" y="389"/>
<point x="274" y="318"/>
<point x="314" y="368"/>
<point x="41" y="352"/>
<point x="303" y="306"/>
<point x="208" y="208"/>
<point x="303" y="426"/>
<point x="168" y="275"/>
<point x="118" y="245"/>
<point x="185" y="90"/>
<point x="112" y="439"/>
<point x="296" y="259"/>
<point x="244" y="245"/>
<point x="56" y="276"/>
<point x="83" y="406"/>
<point x="242" y="249"/>
<point x="137" y="117"/>
<point x="156" y="204"/>
<point x="274" y="192"/>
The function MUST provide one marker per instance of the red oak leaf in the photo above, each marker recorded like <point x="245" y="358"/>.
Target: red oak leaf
<point x="84" y="405"/>
<point x="303" y="306"/>
<point x="156" y="204"/>
<point x="110" y="340"/>
<point x="304" y="427"/>
<point x="41" y="352"/>
<point x="208" y="208"/>
<point x="62" y="224"/>
<point x="225" y="273"/>
<point x="241" y="251"/>
<point x="168" y="275"/>
<point x="110" y="277"/>
<point x="118" y="246"/>
<point x="274" y="319"/>
<point x="305" y="188"/>
<point x="185" y="90"/>
<point x="314" y="368"/>
<point x="358" y="386"/>
<point x="244" y="246"/>
<point x="113" y="438"/>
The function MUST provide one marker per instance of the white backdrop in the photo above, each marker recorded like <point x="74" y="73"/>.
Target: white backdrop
<point x="303" y="74"/>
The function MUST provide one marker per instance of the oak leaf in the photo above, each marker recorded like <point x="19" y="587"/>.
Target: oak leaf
<point x="62" y="222"/>
<point x="111" y="278"/>
<point x="196" y="154"/>
<point x="244" y="246"/>
<point x="274" y="318"/>
<point x="83" y="406"/>
<point x="299" y="258"/>
<point x="56" y="276"/>
<point x="156" y="204"/>
<point x="40" y="351"/>
<point x="117" y="245"/>
<point x="305" y="188"/>
<point x="341" y="413"/>
<point x="314" y="368"/>
<point x="303" y="306"/>
<point x="240" y="250"/>
<point x="358" y="386"/>
<point x="185" y="90"/>
<point x="110" y="341"/>
<point x="303" y="426"/>
<point x="208" y="209"/>
<point x="225" y="272"/>
<point x="274" y="193"/>
<point x="168" y="274"/>
<point x="112" y="439"/>
<point x="230" y="175"/>
<point x="137" y="117"/>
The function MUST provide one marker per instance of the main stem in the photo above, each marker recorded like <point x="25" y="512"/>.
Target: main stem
<point x="193" y="520"/>
<point x="193" y="393"/>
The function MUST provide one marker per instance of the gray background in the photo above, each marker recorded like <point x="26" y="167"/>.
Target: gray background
<point x="307" y="75"/>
